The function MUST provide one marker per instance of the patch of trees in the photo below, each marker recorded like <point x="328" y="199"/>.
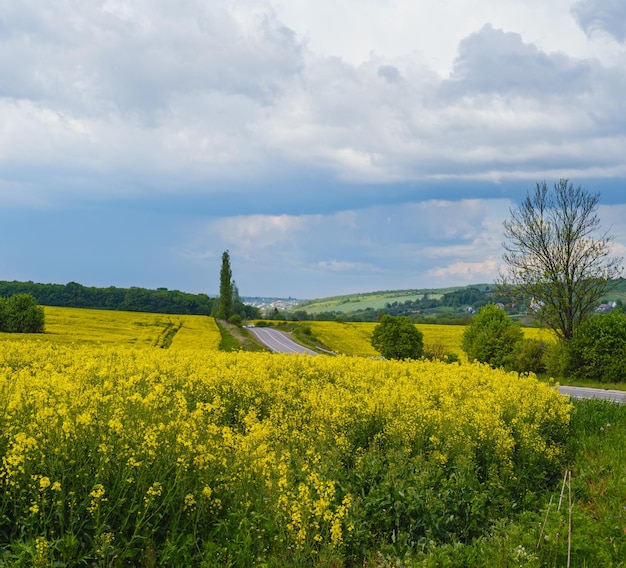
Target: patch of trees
<point x="558" y="265"/>
<point x="74" y="295"/>
<point x="21" y="314"/>
<point x="597" y="350"/>
<point x="493" y="338"/>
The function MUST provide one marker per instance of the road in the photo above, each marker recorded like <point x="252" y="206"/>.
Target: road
<point x="585" y="392"/>
<point x="278" y="341"/>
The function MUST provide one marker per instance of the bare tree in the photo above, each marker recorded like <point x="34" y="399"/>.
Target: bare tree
<point x="556" y="258"/>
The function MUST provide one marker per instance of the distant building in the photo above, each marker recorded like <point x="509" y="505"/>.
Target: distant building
<point x="605" y="308"/>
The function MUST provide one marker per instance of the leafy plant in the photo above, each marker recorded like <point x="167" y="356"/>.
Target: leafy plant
<point x="21" y="314"/>
<point x="397" y="338"/>
<point x="597" y="350"/>
<point x="492" y="338"/>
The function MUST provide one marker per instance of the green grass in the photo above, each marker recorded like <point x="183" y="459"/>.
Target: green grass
<point x="235" y="338"/>
<point x="375" y="300"/>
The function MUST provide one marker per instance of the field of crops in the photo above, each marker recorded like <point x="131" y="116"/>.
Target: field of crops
<point x="115" y="455"/>
<point x="353" y="338"/>
<point x="77" y="325"/>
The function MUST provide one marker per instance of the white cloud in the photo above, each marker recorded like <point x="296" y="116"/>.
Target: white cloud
<point x="137" y="97"/>
<point x="467" y="272"/>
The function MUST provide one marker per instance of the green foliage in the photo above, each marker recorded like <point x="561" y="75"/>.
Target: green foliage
<point x="598" y="349"/>
<point x="557" y="359"/>
<point x="225" y="309"/>
<point x="529" y="356"/>
<point x="492" y="338"/>
<point x="397" y="338"/>
<point x="555" y="260"/>
<point x="74" y="295"/>
<point x="438" y="352"/>
<point x="21" y="314"/>
<point x="235" y="319"/>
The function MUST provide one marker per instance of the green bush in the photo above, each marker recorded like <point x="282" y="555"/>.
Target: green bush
<point x="557" y="359"/>
<point x="438" y="352"/>
<point x="492" y="338"/>
<point x="397" y="338"/>
<point x="530" y="356"/>
<point x="597" y="351"/>
<point x="21" y="314"/>
<point x="235" y="319"/>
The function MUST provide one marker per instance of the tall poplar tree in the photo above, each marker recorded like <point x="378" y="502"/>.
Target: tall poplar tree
<point x="225" y="309"/>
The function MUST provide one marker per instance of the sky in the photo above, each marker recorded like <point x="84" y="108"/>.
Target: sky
<point x="330" y="147"/>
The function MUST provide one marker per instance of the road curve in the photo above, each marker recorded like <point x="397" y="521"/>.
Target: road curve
<point x="585" y="392"/>
<point x="278" y="341"/>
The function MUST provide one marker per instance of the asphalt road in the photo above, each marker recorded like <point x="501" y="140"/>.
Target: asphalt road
<point x="278" y="341"/>
<point x="585" y="392"/>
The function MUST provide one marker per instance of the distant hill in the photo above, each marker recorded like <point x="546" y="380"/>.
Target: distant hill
<point x="379" y="299"/>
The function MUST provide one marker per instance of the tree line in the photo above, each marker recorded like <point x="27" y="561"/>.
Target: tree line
<point x="74" y="295"/>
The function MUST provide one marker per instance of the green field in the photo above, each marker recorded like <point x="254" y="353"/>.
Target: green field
<point x="374" y="300"/>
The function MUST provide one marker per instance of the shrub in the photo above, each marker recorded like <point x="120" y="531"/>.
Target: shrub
<point x="438" y="352"/>
<point x="235" y="319"/>
<point x="397" y="338"/>
<point x="597" y="350"/>
<point x="557" y="359"/>
<point x="530" y="356"/>
<point x="21" y="314"/>
<point x="492" y="338"/>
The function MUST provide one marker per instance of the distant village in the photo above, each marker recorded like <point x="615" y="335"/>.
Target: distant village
<point x="265" y="304"/>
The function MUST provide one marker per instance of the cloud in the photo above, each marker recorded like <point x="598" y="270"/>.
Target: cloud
<point x="140" y="58"/>
<point x="604" y="16"/>
<point x="121" y="100"/>
<point x="472" y="272"/>
<point x="356" y="249"/>
<point x="495" y="61"/>
<point x="343" y="266"/>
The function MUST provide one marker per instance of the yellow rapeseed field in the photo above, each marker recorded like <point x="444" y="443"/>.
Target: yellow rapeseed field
<point x="79" y="325"/>
<point x="353" y="338"/>
<point x="113" y="449"/>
